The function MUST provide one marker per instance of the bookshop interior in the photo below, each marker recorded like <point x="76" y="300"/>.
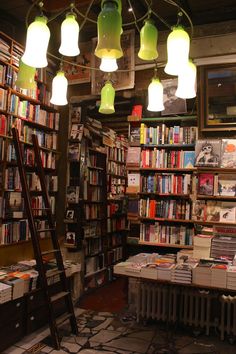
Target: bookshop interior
<point x="118" y="176"/>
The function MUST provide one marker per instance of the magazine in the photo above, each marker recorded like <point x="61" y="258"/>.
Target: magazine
<point x="228" y="159"/>
<point x="206" y="184"/>
<point x="207" y="153"/>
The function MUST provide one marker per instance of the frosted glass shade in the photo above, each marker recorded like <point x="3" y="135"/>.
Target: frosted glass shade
<point x="59" y="89"/>
<point x="107" y="99"/>
<point x="148" y="41"/>
<point x="69" y="36"/>
<point x="187" y="81"/>
<point x="155" y="96"/>
<point x="37" y="40"/>
<point x="178" y="44"/>
<point x="25" y="77"/>
<point x="109" y="26"/>
<point x="108" y="65"/>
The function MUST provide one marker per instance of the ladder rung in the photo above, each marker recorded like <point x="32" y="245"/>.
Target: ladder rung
<point x="63" y="318"/>
<point x="49" y="251"/>
<point x="45" y="230"/>
<point x="59" y="296"/>
<point x="51" y="273"/>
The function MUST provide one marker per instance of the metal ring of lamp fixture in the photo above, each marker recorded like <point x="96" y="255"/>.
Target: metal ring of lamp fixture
<point x="106" y="50"/>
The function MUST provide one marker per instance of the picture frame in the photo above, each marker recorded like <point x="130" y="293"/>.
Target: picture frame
<point x="172" y="103"/>
<point x="70" y="214"/>
<point x="70" y="239"/>
<point x="76" y="75"/>
<point x="120" y="80"/>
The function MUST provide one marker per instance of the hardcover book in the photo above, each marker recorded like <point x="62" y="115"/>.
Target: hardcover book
<point x="189" y="157"/>
<point x="133" y="156"/>
<point x="228" y="159"/>
<point x="207" y="153"/>
<point x="226" y="185"/>
<point x="206" y="184"/>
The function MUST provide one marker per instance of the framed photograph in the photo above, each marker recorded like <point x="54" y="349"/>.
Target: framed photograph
<point x="74" y="74"/>
<point x="76" y="132"/>
<point x="70" y="238"/>
<point x="172" y="103"/>
<point x="70" y="213"/>
<point x="120" y="80"/>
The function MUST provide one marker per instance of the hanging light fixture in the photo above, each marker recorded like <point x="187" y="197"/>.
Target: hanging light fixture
<point x="69" y="36"/>
<point x="26" y="77"/>
<point x="187" y="81"/>
<point x="148" y="41"/>
<point x="59" y="89"/>
<point x="107" y="99"/>
<point x="108" y="65"/>
<point x="37" y="39"/>
<point x="155" y="94"/>
<point x="109" y="27"/>
<point x="178" y="44"/>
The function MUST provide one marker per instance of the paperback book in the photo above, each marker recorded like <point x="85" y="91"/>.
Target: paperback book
<point x="76" y="132"/>
<point x="228" y="159"/>
<point x="207" y="153"/>
<point x="206" y="184"/>
<point x="189" y="157"/>
<point x="226" y="185"/>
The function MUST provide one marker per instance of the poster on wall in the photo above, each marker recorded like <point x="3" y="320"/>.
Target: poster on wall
<point x="120" y="80"/>
<point x="77" y="75"/>
<point x="172" y="103"/>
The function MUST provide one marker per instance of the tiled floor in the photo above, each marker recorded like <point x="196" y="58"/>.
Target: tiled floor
<point x="109" y="333"/>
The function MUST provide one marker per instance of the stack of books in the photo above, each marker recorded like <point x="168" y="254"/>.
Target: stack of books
<point x="202" y="273"/>
<point x="224" y="242"/>
<point x="219" y="275"/>
<point x="5" y="293"/>
<point x="149" y="271"/>
<point x="231" y="278"/>
<point x="202" y="246"/>
<point x="182" y="273"/>
<point x="164" y="270"/>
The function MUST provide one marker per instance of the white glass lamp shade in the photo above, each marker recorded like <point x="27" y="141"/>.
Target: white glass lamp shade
<point x="187" y="81"/>
<point x="37" y="39"/>
<point x="155" y="96"/>
<point x="59" y="89"/>
<point x="178" y="44"/>
<point x="69" y="36"/>
<point x="108" y="65"/>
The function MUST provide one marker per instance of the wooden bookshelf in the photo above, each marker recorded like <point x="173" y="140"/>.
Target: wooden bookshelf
<point x="169" y="245"/>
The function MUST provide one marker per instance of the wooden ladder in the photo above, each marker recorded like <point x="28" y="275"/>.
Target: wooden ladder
<point x="64" y="292"/>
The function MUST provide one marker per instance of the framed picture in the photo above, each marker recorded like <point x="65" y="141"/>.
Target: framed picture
<point x="120" y="80"/>
<point x="70" y="213"/>
<point x="77" y="75"/>
<point x="70" y="238"/>
<point x="76" y="132"/>
<point x="172" y="103"/>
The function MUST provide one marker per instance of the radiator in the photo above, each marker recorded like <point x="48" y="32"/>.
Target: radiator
<point x="174" y="303"/>
<point x="228" y="316"/>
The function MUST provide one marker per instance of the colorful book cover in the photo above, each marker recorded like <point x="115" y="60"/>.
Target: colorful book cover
<point x="199" y="210"/>
<point x="227" y="212"/>
<point x="189" y="157"/>
<point x="207" y="153"/>
<point x="206" y="184"/>
<point x="227" y="185"/>
<point x="228" y="158"/>
<point x="213" y="211"/>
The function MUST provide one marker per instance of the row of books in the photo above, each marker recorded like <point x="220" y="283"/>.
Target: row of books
<point x="116" y="186"/>
<point x="159" y="233"/>
<point x="17" y="53"/>
<point x="116" y="153"/>
<point x="168" y="209"/>
<point x="3" y="99"/>
<point x="93" y="211"/>
<point x="114" y="255"/>
<point x="162" y="134"/>
<point x="217" y="184"/>
<point x="92" y="229"/>
<point x="164" y="183"/>
<point x="118" y="224"/>
<point x="46" y="140"/>
<point x="95" y="263"/>
<point x="37" y="205"/>
<point x="92" y="246"/>
<point x="167" y="158"/>
<point x="116" y="208"/>
<point x="4" y="51"/>
<point x="12" y="232"/>
<point x="116" y="168"/>
<point x="214" y="211"/>
<point x="2" y="148"/>
<point x="115" y="240"/>
<point x="95" y="177"/>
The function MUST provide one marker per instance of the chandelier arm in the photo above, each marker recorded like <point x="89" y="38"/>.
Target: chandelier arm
<point x="161" y="19"/>
<point x="134" y="16"/>
<point x="83" y="16"/>
<point x="172" y="2"/>
<point x="58" y="14"/>
<point x="29" y="11"/>
<point x="86" y="14"/>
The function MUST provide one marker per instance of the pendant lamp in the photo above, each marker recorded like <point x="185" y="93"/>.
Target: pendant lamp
<point x="148" y="41"/>
<point x="26" y="77"/>
<point x="107" y="99"/>
<point x="109" y="26"/>
<point x="187" y="81"/>
<point x="69" y="36"/>
<point x="178" y="43"/>
<point x="59" y="89"/>
<point x="37" y="39"/>
<point x="155" y="96"/>
<point x="108" y="65"/>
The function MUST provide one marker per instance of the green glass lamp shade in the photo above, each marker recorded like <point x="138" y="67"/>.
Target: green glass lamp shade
<point x="69" y="36"/>
<point x="109" y="26"/>
<point x="107" y="99"/>
<point x="178" y="44"/>
<point x="148" y="41"/>
<point x="25" y="77"/>
<point x="37" y="40"/>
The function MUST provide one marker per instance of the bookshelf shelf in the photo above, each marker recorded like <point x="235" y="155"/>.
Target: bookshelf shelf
<point x="163" y="119"/>
<point x="170" y="245"/>
<point x="25" y="97"/>
<point x="182" y="221"/>
<point x="33" y="123"/>
<point x="216" y="170"/>
<point x="173" y="170"/>
<point x="117" y="176"/>
<point x="165" y="194"/>
<point x="116" y="161"/>
<point x="166" y="146"/>
<point x="95" y="168"/>
<point x="216" y="197"/>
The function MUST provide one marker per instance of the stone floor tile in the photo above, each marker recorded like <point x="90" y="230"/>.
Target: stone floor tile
<point x="14" y="350"/>
<point x="46" y="349"/>
<point x="59" y="352"/>
<point x="99" y="318"/>
<point x="81" y="340"/>
<point x="133" y="344"/>
<point x="104" y="324"/>
<point x="105" y="336"/>
<point x="71" y="347"/>
<point x="145" y="335"/>
<point x="106" y="314"/>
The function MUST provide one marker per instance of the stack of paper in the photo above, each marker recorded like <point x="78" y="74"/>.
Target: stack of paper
<point x="202" y="246"/>
<point x="219" y="275"/>
<point x="5" y="293"/>
<point x="231" y="278"/>
<point x="149" y="271"/>
<point x="202" y="274"/>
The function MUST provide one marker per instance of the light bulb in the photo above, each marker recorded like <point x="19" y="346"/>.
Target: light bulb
<point x="187" y="81"/>
<point x="37" y="39"/>
<point x="178" y="44"/>
<point x="155" y="96"/>
<point x="69" y="36"/>
<point x="108" y="65"/>
<point x="59" y="89"/>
